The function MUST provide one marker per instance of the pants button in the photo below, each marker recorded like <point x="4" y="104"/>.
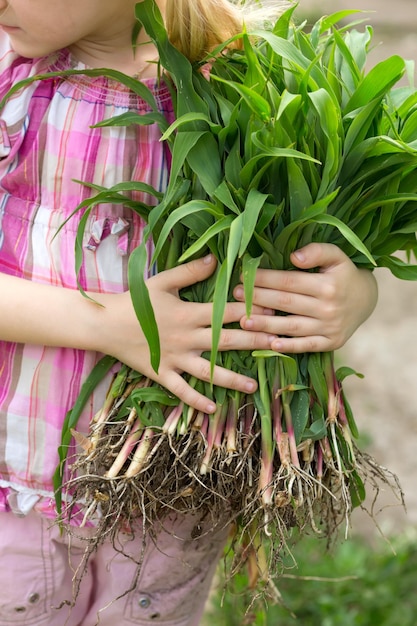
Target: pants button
<point x="144" y="602"/>
<point x="34" y="598"/>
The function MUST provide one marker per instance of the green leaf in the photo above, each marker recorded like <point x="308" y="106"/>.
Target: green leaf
<point x="249" y="267"/>
<point x="326" y="22"/>
<point x="176" y="64"/>
<point x="186" y="119"/>
<point x="347" y="233"/>
<point x="219" y="305"/>
<point x="377" y="82"/>
<point x="221" y="225"/>
<point x="311" y="214"/>
<point x="204" y="159"/>
<point x="349" y="416"/>
<point x="298" y="189"/>
<point x="223" y="194"/>
<point x="300" y="405"/>
<point x="258" y="105"/>
<point x="330" y="124"/>
<point x="100" y="370"/>
<point x="134" y="85"/>
<point x="254" y="204"/>
<point x="379" y="202"/>
<point x="79" y="249"/>
<point x="409" y="129"/>
<point x="317" y="377"/>
<point x="184" y="142"/>
<point x="290" y="104"/>
<point x="152" y="394"/>
<point x="284" y="48"/>
<point x="316" y="431"/>
<point x="359" y="124"/>
<point x="221" y="292"/>
<point x="344" y="372"/>
<point x="263" y="354"/>
<point x="131" y="117"/>
<point x="194" y="206"/>
<point x="356" y="489"/>
<point x="271" y="151"/>
<point x="142" y="303"/>
<point x="153" y="416"/>
<point x="398" y="267"/>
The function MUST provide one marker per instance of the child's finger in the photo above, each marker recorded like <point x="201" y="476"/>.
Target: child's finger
<point x="298" y="345"/>
<point x="222" y="377"/>
<point x="177" y="385"/>
<point x="291" y="325"/>
<point x="320" y="255"/>
<point x="200" y="368"/>
<point x="185" y="275"/>
<point x="286" y="282"/>
<point x="285" y="301"/>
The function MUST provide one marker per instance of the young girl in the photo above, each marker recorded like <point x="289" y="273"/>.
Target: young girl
<point x="52" y="336"/>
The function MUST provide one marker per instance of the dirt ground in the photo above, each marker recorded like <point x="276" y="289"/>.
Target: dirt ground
<point x="384" y="349"/>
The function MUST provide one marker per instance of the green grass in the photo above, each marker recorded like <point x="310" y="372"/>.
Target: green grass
<point x="354" y="584"/>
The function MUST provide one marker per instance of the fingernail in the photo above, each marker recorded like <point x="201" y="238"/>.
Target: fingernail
<point x="277" y="345"/>
<point x="248" y="324"/>
<point x="208" y="259"/>
<point x="250" y="386"/>
<point x="299" y="255"/>
<point x="211" y="408"/>
<point x="238" y="292"/>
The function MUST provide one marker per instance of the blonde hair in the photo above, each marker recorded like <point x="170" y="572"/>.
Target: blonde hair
<point x="195" y="27"/>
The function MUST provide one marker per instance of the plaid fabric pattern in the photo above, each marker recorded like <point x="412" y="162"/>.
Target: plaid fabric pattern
<point x="47" y="144"/>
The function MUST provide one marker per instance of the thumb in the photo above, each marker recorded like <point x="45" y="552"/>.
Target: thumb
<point x="322" y="255"/>
<point x="187" y="274"/>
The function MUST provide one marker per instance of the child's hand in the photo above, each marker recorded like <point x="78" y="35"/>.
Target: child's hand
<point x="184" y="331"/>
<point x="325" y="308"/>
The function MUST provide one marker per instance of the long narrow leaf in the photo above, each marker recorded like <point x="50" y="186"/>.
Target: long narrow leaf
<point x="99" y="371"/>
<point x="142" y="303"/>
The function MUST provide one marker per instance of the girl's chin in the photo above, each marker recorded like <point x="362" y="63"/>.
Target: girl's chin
<point x="23" y="48"/>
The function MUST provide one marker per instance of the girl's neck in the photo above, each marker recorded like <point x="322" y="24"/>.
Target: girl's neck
<point x="112" y="48"/>
<point x="140" y="61"/>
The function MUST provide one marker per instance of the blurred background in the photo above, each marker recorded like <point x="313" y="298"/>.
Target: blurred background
<point x="384" y="349"/>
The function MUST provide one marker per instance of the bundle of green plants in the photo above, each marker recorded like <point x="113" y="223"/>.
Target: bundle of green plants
<point x="288" y="141"/>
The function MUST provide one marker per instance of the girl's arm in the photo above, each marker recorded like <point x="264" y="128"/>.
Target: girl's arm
<point x="324" y="308"/>
<point x="53" y="316"/>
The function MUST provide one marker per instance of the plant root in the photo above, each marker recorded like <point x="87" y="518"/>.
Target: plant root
<point x="317" y="495"/>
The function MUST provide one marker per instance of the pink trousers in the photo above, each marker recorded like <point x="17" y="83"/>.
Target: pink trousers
<point x="37" y="568"/>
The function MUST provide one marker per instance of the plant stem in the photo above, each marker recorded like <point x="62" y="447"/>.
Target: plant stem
<point x="126" y="449"/>
<point x="267" y="445"/>
<point x="140" y="454"/>
<point x="214" y="421"/>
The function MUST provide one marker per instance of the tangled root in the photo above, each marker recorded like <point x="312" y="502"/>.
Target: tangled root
<point x="170" y="480"/>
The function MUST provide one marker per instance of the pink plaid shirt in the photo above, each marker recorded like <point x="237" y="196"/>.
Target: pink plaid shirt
<point x="47" y="143"/>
